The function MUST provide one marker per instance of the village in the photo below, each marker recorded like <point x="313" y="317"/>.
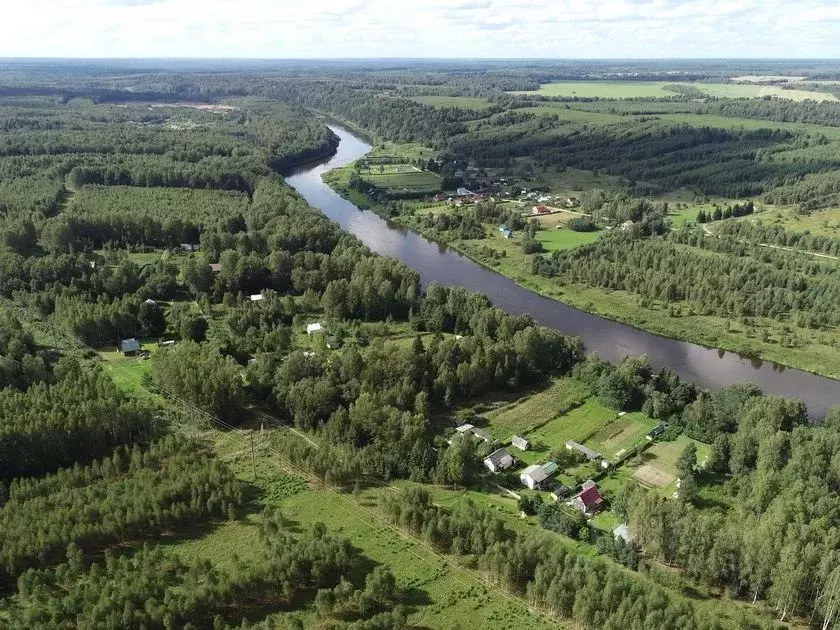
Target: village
<point x="578" y="456"/>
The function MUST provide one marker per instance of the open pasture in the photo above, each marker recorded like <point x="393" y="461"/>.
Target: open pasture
<point x="556" y="239"/>
<point x="408" y="179"/>
<point x="616" y="438"/>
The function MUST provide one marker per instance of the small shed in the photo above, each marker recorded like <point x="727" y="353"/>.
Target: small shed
<point x="256" y="297"/>
<point x="571" y="445"/>
<point x="215" y="267"/>
<point x="189" y="247"/>
<point x="498" y="460"/>
<point x="314" y="328"/>
<point x="129" y="346"/>
<point x="533" y="476"/>
<point x="150" y="301"/>
<point x="522" y="443"/>
<point x="627" y="226"/>
<point x="656" y="431"/>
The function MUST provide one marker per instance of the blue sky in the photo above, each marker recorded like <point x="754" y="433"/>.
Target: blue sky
<point x="420" y="28"/>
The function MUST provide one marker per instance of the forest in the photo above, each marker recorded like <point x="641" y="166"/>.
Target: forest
<point x="128" y="214"/>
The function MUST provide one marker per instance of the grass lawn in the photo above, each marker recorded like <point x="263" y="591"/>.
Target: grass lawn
<point x="579" y="424"/>
<point x="564" y="238"/>
<point x="127" y="372"/>
<point x="408" y="179"/>
<point x="615" y="439"/>
<point x="743" y="90"/>
<point x="529" y="412"/>
<point x="659" y="469"/>
<point x="463" y="102"/>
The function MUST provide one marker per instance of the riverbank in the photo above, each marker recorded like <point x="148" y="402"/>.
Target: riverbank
<point x="758" y="339"/>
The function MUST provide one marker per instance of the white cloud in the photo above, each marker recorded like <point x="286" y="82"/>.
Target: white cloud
<point x="431" y="28"/>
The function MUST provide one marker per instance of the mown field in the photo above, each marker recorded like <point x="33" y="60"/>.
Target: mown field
<point x="657" y="89"/>
<point x="826" y="222"/>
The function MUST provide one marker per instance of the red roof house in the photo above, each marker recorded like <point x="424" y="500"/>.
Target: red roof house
<point x="589" y="501"/>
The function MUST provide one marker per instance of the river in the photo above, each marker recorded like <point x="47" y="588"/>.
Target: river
<point x="707" y="367"/>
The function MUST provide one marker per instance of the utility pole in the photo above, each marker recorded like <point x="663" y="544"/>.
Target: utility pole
<point x="253" y="458"/>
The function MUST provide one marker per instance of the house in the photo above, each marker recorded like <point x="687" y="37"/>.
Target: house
<point x="189" y="247"/>
<point x="129" y="346"/>
<point x="498" y="460"/>
<point x="622" y="532"/>
<point x="549" y="468"/>
<point x="589" y="499"/>
<point x="215" y="267"/>
<point x="627" y="225"/>
<point x="440" y="197"/>
<point x="507" y="233"/>
<point x="572" y="202"/>
<point x="314" y="328"/>
<point x="151" y="302"/>
<point x="521" y="443"/>
<point x="571" y="445"/>
<point x="463" y="192"/>
<point x="541" y="210"/>
<point x="533" y="476"/>
<point x="656" y="431"/>
<point x="257" y="297"/>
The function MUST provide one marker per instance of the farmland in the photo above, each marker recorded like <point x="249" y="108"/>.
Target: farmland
<point x="660" y="89"/>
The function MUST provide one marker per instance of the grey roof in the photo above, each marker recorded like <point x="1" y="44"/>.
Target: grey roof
<point x="520" y="442"/>
<point x="571" y="444"/>
<point x="499" y="456"/>
<point x="535" y="472"/>
<point x="129" y="345"/>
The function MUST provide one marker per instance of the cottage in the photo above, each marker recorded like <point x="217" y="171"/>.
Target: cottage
<point x="256" y="297"/>
<point x="589" y="499"/>
<point x="215" y="267"/>
<point x="129" y="346"/>
<point x="189" y="247"/>
<point x="571" y="445"/>
<point x="572" y="202"/>
<point x="498" y="460"/>
<point x="656" y="431"/>
<point x="520" y="442"/>
<point x="533" y="476"/>
<point x="541" y="210"/>
<point x="314" y="328"/>
<point x="463" y="192"/>
<point x="627" y="226"/>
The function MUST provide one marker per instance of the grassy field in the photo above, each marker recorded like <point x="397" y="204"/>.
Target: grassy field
<point x="462" y="102"/>
<point x="606" y="89"/>
<point x="656" y="89"/>
<point x="127" y="372"/>
<point x="538" y="408"/>
<point x="579" y="424"/>
<point x="826" y="222"/>
<point x="616" y="438"/>
<point x="407" y="179"/>
<point x="659" y="469"/>
<point x="564" y="238"/>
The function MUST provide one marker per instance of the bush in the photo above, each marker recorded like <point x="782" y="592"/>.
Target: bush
<point x="582" y="224"/>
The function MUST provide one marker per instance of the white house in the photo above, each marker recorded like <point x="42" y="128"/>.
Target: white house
<point x="498" y="460"/>
<point x="533" y="476"/>
<point x="314" y="328"/>
<point x="256" y="297"/>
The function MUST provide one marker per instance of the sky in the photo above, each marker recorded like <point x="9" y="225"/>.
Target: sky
<point x="282" y="29"/>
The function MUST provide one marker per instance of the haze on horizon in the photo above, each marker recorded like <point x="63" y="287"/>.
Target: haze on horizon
<point x="429" y="28"/>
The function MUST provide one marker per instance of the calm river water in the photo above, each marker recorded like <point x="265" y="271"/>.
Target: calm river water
<point x="706" y="367"/>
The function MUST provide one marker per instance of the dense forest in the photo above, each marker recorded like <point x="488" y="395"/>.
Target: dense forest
<point x="137" y="213"/>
